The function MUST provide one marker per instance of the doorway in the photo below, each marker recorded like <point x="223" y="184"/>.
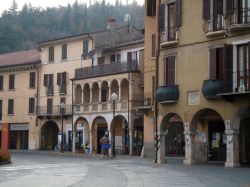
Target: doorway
<point x="49" y="135"/>
<point x="100" y="133"/>
<point x="245" y="141"/>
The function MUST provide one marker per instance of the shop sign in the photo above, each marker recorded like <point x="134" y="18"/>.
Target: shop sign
<point x="19" y="127"/>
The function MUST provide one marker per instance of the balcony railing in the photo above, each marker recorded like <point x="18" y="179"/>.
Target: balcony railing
<point x="105" y="69"/>
<point x="167" y="93"/>
<point x="50" y="90"/>
<point x="239" y="18"/>
<point x="54" y="110"/>
<point x="236" y="83"/>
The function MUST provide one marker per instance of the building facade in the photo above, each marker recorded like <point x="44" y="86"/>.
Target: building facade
<point x="18" y="99"/>
<point x="203" y="88"/>
<point x="116" y="69"/>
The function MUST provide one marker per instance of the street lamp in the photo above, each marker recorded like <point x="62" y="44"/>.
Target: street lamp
<point x="62" y="107"/>
<point x="113" y="98"/>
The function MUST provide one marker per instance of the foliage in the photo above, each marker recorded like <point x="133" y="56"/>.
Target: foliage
<point x="21" y="30"/>
<point x="4" y="155"/>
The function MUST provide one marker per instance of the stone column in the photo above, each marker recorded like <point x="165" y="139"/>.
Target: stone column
<point x="74" y="141"/>
<point x="161" y="148"/>
<point x="189" y="145"/>
<point x="233" y="157"/>
<point x="82" y="96"/>
<point x="120" y="94"/>
<point x="130" y="141"/>
<point x="100" y="95"/>
<point x="91" y="141"/>
<point x="91" y="96"/>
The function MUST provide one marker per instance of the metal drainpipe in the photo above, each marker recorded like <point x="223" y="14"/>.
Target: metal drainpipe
<point x="156" y="86"/>
<point x="37" y="95"/>
<point x="72" y="120"/>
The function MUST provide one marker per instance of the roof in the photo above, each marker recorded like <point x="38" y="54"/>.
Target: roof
<point x="116" y="37"/>
<point x="20" y="58"/>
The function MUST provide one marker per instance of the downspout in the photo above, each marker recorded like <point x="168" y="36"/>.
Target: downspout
<point x="37" y="95"/>
<point x="130" y="142"/>
<point x="72" y="120"/>
<point x="156" y="86"/>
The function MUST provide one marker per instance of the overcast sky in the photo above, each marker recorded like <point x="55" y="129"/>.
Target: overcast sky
<point x="5" y="4"/>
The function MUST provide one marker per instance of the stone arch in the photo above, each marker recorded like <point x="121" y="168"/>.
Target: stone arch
<point x="114" y="85"/>
<point x="78" y="94"/>
<point x="172" y="136"/>
<point x="49" y="135"/>
<point x="208" y="128"/>
<point x="104" y="91"/>
<point x="86" y="93"/>
<point x="98" y="128"/>
<point x="95" y="92"/>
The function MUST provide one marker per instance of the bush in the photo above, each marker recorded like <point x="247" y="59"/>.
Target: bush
<point x="4" y="155"/>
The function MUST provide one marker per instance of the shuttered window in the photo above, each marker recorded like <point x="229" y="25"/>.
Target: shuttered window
<point x="1" y="82"/>
<point x="51" y="54"/>
<point x="229" y="6"/>
<point x="228" y="68"/>
<point x="32" y="79"/>
<point x="153" y="46"/>
<point x="118" y="58"/>
<point x="170" y="71"/>
<point x="129" y="57"/>
<point x="59" y="79"/>
<point x="178" y="13"/>
<point x="12" y="82"/>
<point x="112" y="58"/>
<point x="216" y="64"/>
<point x="31" y="105"/>
<point x="161" y="18"/>
<point x="206" y="9"/>
<point x="45" y="79"/>
<point x="151" y="7"/>
<point x="10" y="107"/>
<point x="64" y="51"/>
<point x="85" y="47"/>
<point x="1" y="109"/>
<point x="101" y="60"/>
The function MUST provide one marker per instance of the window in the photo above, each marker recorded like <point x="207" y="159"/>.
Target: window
<point x="134" y="56"/>
<point x="51" y="54"/>
<point x="1" y="109"/>
<point x="31" y="105"/>
<point x="32" y="79"/>
<point x="48" y="82"/>
<point x="118" y="58"/>
<point x="64" y="51"/>
<point x="104" y="95"/>
<point x="10" y="107"/>
<point x="85" y="47"/>
<point x="112" y="58"/>
<point x="153" y="45"/>
<point x="1" y="82"/>
<point x="151" y="7"/>
<point x="129" y="57"/>
<point x="12" y="82"/>
<point x="221" y="66"/>
<point x="101" y="60"/>
<point x="62" y="82"/>
<point x="50" y="106"/>
<point x="243" y="67"/>
<point x="170" y="19"/>
<point x="170" y="71"/>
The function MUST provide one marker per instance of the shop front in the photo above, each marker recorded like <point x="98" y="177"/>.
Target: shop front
<point x="18" y="136"/>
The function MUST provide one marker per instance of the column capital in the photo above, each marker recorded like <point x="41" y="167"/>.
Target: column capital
<point x="232" y="131"/>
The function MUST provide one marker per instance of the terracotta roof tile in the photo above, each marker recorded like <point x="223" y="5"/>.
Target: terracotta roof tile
<point x="20" y="58"/>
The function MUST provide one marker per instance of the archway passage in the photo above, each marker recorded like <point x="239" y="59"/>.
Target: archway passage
<point x="81" y="128"/>
<point x="99" y="127"/>
<point x="245" y="141"/>
<point x="121" y="135"/>
<point x="49" y="135"/>
<point x="210" y="138"/>
<point x="172" y="128"/>
<point x="138" y="136"/>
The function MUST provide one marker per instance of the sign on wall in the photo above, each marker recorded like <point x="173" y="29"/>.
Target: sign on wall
<point x="193" y="98"/>
<point x="19" y="127"/>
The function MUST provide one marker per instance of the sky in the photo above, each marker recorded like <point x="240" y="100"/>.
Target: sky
<point x="5" y="4"/>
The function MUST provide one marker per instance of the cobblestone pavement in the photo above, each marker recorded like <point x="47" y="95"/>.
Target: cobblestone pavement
<point x="45" y="169"/>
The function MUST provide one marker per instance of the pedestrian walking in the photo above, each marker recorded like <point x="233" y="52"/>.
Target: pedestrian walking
<point x="105" y="145"/>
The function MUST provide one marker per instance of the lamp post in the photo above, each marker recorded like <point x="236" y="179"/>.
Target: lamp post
<point x="62" y="107"/>
<point x="113" y="98"/>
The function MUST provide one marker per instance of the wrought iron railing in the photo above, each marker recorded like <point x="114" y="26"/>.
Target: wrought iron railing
<point x="105" y="69"/>
<point x="54" y="110"/>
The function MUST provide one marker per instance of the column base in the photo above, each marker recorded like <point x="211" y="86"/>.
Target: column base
<point x="232" y="164"/>
<point x="188" y="162"/>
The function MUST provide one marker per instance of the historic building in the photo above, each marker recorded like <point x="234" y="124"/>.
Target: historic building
<point x="60" y="57"/>
<point x="107" y="91"/>
<point x="150" y="63"/>
<point x="18" y="99"/>
<point x="203" y="90"/>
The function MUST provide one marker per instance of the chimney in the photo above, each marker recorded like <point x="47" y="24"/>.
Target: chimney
<point x="110" y="23"/>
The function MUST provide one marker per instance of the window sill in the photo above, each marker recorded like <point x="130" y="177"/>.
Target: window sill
<point x="238" y="27"/>
<point x="10" y="114"/>
<point x="32" y="88"/>
<point x="215" y="33"/>
<point x="153" y="58"/>
<point x="31" y="113"/>
<point x="11" y="90"/>
<point x="169" y="43"/>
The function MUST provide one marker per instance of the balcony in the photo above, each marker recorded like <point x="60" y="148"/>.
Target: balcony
<point x="143" y="106"/>
<point x="167" y="94"/>
<point x="236" y="84"/>
<point x="211" y="88"/>
<point x="105" y="69"/>
<point x="170" y="37"/>
<point x="121" y="106"/>
<point x="220" y="24"/>
<point x="55" y="111"/>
